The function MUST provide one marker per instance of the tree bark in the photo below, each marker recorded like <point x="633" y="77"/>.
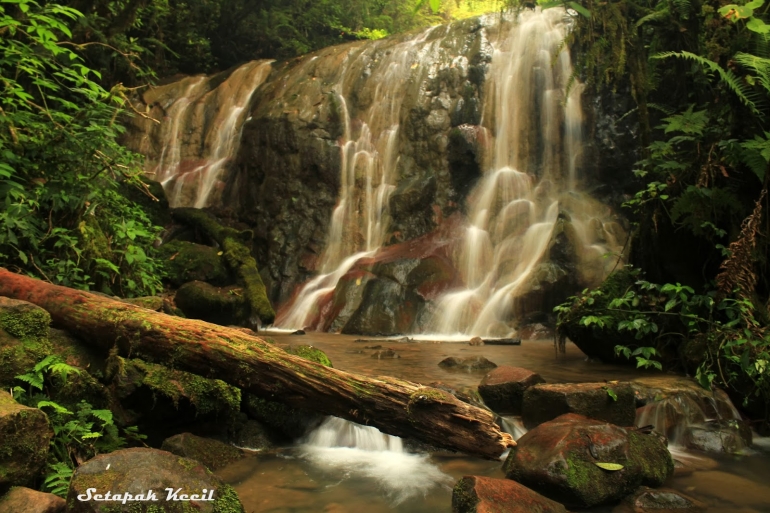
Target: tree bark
<point x="394" y="406"/>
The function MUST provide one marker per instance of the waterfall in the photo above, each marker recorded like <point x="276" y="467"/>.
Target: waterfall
<point x="531" y="183"/>
<point x="201" y="133"/>
<point x="369" y="156"/>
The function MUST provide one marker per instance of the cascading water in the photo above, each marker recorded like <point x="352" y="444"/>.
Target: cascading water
<point x="208" y="122"/>
<point x="369" y="156"/>
<point x="339" y="445"/>
<point x="530" y="187"/>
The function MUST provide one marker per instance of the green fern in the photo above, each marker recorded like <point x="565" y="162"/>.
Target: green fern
<point x="728" y="77"/>
<point x="57" y="481"/>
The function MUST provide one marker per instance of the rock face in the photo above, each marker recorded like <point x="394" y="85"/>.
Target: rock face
<point x="476" y="494"/>
<point x="212" y="453"/>
<point x="24" y="438"/>
<point x="601" y="401"/>
<point x="24" y="500"/>
<point x="503" y="388"/>
<point x="558" y="459"/>
<point x="143" y="472"/>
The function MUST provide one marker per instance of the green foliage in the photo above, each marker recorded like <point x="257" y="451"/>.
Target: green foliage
<point x="64" y="219"/>
<point x="78" y="435"/>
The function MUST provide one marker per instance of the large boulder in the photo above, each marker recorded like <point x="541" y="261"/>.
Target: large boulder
<point x="503" y="388"/>
<point x="24" y="437"/>
<point x="467" y="363"/>
<point x="212" y="453"/>
<point x="157" y="482"/>
<point x="559" y="459"/>
<point x="219" y="305"/>
<point x="476" y="494"/>
<point x="26" y="500"/>
<point x="186" y="261"/>
<point x="610" y="402"/>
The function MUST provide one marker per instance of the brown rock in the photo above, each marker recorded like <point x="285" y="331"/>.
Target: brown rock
<point x="469" y="363"/>
<point x="503" y="388"/>
<point x="610" y="402"/>
<point x="662" y="500"/>
<point x="476" y="341"/>
<point x="212" y="453"/>
<point x="24" y="500"/>
<point x="558" y="459"/>
<point x="24" y="438"/>
<point x="475" y="494"/>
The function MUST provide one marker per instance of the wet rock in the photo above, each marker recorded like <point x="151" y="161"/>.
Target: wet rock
<point x="285" y="422"/>
<point x="476" y="341"/>
<point x="476" y="494"/>
<point x="387" y="308"/>
<point x="558" y="459"/>
<point x="310" y="353"/>
<point x="503" y="388"/>
<point x="212" y="453"/>
<point x="139" y="471"/>
<point x="250" y="434"/>
<point x="691" y="416"/>
<point x="468" y="363"/>
<point x="218" y="305"/>
<point x="298" y="332"/>
<point x="347" y="298"/>
<point x="410" y="204"/>
<point x="661" y="500"/>
<point x="25" y="500"/>
<point x="385" y="354"/>
<point x="610" y="402"/>
<point x="24" y="437"/>
<point x="185" y="261"/>
<point x="502" y="341"/>
<point x="536" y="331"/>
<point x="23" y="320"/>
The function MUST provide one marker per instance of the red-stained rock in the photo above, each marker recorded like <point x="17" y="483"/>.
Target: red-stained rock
<point x="610" y="402"/>
<point x="503" y="388"/>
<point x="25" y="500"/>
<point x="476" y="494"/>
<point x="558" y="459"/>
<point x="662" y="500"/>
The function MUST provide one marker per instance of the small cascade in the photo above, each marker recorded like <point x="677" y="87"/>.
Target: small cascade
<point x="514" y="426"/>
<point x="200" y="133"/>
<point x="531" y="187"/>
<point x="368" y="174"/>
<point x="341" y="446"/>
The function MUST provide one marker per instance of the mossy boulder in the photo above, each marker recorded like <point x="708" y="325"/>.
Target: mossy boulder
<point x="310" y="353"/>
<point x="23" y="320"/>
<point x="477" y="494"/>
<point x="559" y="460"/>
<point x="212" y="453"/>
<point x="609" y="402"/>
<point x="160" y="396"/>
<point x="219" y="305"/>
<point x="144" y="472"/>
<point x="185" y="261"/>
<point x="24" y="437"/>
<point x="26" y="500"/>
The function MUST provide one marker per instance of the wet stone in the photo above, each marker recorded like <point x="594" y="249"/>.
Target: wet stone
<point x="25" y="500"/>
<point x="610" y="402"/>
<point x="212" y="453"/>
<point x="469" y="363"/>
<point x="661" y="500"/>
<point x="503" y="388"/>
<point x="476" y="494"/>
<point x="384" y="354"/>
<point x="24" y="438"/>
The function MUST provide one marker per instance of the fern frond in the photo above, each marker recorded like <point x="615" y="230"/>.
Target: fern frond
<point x="104" y="415"/>
<point x="661" y="15"/>
<point x="46" y="362"/>
<point x="728" y="77"/>
<point x="56" y="406"/>
<point x="32" y="379"/>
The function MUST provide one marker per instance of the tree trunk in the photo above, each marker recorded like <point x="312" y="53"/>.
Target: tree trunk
<point x="394" y="406"/>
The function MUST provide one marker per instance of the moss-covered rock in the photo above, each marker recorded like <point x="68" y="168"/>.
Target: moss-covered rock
<point x="152" y="392"/>
<point x="23" y="320"/>
<point x="310" y="353"/>
<point x="26" y="500"/>
<point x="141" y="471"/>
<point x="559" y="459"/>
<point x="220" y="305"/>
<point x="212" y="453"/>
<point x="154" y="303"/>
<point x="185" y="261"/>
<point x="24" y="437"/>
<point x="503" y="388"/>
<point x="609" y="402"/>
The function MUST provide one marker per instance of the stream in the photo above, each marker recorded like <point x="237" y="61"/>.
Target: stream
<point x="341" y="467"/>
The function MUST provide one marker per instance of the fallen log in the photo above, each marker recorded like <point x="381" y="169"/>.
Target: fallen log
<point x="392" y="405"/>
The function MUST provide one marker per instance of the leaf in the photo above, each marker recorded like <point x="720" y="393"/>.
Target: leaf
<point x="435" y="5"/>
<point x="609" y="466"/>
<point x="580" y="9"/>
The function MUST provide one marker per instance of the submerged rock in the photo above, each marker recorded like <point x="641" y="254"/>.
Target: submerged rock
<point x="24" y="437"/>
<point x="610" y="402"/>
<point x="503" y="388"/>
<point x="212" y="453"/>
<point x="662" y="500"/>
<point x="469" y="363"/>
<point x="25" y="500"/>
<point x="143" y="471"/>
<point x="383" y="354"/>
<point x="476" y="494"/>
<point x="559" y="459"/>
